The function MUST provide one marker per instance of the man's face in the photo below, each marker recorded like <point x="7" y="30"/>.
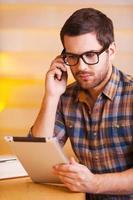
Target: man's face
<point x="89" y="76"/>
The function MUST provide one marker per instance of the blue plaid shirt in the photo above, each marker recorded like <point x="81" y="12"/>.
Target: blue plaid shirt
<point x="102" y="138"/>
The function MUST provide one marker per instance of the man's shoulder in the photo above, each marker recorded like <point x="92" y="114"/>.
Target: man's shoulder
<point x="125" y="84"/>
<point x="126" y="78"/>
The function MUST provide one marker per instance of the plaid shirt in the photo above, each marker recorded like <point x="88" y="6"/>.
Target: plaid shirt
<point x="102" y="139"/>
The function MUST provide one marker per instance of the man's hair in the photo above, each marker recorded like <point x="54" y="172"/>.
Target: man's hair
<point x="88" y="20"/>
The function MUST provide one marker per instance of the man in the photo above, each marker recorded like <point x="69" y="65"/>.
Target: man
<point x="95" y="112"/>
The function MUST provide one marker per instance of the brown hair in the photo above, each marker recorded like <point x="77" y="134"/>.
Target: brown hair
<point x="87" y="20"/>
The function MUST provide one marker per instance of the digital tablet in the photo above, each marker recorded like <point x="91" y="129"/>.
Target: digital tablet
<point x="38" y="156"/>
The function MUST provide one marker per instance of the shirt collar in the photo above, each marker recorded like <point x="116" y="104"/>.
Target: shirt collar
<point x="112" y="85"/>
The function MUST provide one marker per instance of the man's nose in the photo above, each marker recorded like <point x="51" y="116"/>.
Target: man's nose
<point x="82" y="65"/>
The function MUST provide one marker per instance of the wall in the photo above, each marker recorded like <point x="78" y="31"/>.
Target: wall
<point x="29" y="40"/>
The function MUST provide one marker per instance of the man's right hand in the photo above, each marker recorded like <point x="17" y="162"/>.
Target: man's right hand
<point x="55" y="86"/>
<point x="56" y="78"/>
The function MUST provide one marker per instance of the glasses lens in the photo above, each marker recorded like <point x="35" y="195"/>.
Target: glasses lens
<point x="70" y="59"/>
<point x="90" y="57"/>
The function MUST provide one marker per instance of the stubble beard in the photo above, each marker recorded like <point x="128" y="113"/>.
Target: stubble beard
<point x="94" y="80"/>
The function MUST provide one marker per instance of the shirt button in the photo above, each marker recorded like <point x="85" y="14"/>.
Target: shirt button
<point x="96" y="158"/>
<point x="116" y="125"/>
<point x="70" y="125"/>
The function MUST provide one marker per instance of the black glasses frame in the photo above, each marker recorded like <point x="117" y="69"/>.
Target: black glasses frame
<point x="64" y="53"/>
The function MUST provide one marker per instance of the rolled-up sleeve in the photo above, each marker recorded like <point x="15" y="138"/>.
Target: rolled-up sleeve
<point x="60" y="128"/>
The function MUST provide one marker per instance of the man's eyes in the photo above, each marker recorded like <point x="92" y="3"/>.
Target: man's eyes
<point x="71" y="57"/>
<point x="90" y="54"/>
<point x="87" y="55"/>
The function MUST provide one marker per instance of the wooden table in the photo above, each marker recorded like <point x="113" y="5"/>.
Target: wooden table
<point x="25" y="189"/>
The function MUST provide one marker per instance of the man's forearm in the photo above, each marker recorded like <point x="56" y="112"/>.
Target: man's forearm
<point x="44" y="124"/>
<point x="115" y="183"/>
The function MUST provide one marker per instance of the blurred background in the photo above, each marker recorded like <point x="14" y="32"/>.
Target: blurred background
<point x="29" y="40"/>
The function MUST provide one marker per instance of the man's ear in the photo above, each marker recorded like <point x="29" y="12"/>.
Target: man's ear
<point x="112" y="50"/>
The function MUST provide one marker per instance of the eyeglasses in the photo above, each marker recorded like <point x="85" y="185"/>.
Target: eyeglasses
<point x="89" y="57"/>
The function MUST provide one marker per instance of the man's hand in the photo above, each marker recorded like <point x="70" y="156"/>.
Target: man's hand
<point x="55" y="86"/>
<point x="56" y="78"/>
<point x="76" y="177"/>
<point x="79" y="178"/>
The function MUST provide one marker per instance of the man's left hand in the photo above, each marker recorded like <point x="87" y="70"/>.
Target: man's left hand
<point x="76" y="177"/>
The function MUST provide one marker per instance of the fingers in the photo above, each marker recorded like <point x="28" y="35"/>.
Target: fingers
<point x="72" y="160"/>
<point x="71" y="177"/>
<point x="66" y="172"/>
<point x="72" y="181"/>
<point x="58" y="69"/>
<point x="72" y="171"/>
<point x="73" y="166"/>
<point x="56" y="73"/>
<point x="65" y="168"/>
<point x="75" y="176"/>
<point x="71" y="184"/>
<point x="58" y="63"/>
<point x="72" y="187"/>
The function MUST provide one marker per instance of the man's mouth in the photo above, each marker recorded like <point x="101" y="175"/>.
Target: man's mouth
<point x="84" y="76"/>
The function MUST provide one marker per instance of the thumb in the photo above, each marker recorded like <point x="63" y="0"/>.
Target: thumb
<point x="72" y="160"/>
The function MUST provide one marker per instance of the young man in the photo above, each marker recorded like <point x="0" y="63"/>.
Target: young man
<point x="95" y="112"/>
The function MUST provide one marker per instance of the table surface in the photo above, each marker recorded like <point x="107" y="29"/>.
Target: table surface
<point x="25" y="189"/>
